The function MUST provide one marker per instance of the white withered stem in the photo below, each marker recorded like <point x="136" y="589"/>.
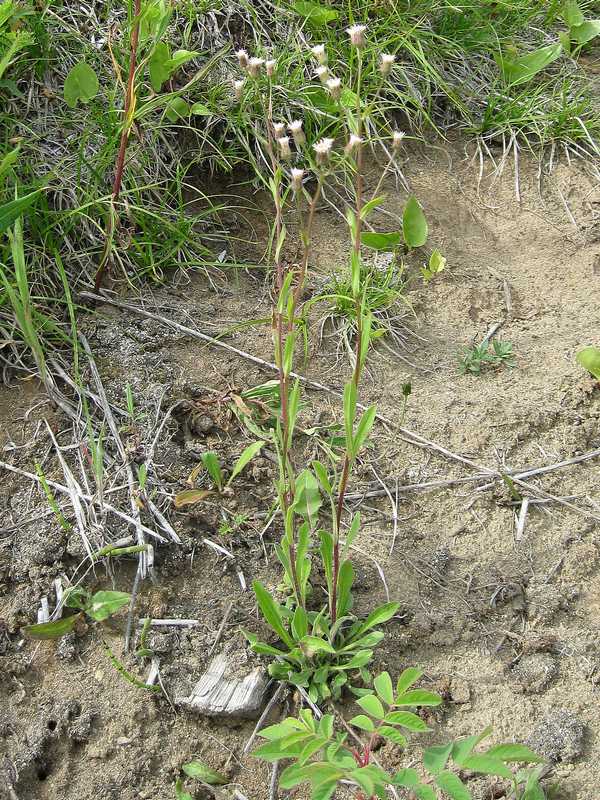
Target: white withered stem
<point x="334" y="85"/>
<point x="279" y="129"/>
<point x="295" y="129"/>
<point x="386" y="63"/>
<point x="319" y="53"/>
<point x="284" y="147"/>
<point x="238" y="89"/>
<point x="271" y="66"/>
<point x="254" y="66"/>
<point x="397" y="139"/>
<point x="322" y="74"/>
<point x="323" y="150"/>
<point x="354" y="142"/>
<point x="242" y="57"/>
<point x="357" y="35"/>
<point x="297" y="178"/>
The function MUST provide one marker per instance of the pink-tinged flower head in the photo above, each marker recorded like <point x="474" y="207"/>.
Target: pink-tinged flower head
<point x="254" y="66"/>
<point x="386" y="62"/>
<point x="323" y="150"/>
<point x="242" y="57"/>
<point x="354" y="142"/>
<point x="297" y="178"/>
<point x="397" y="139"/>
<point x="238" y="89"/>
<point x="322" y="74"/>
<point x="284" y="147"/>
<point x="279" y="129"/>
<point x="270" y="66"/>
<point x="334" y="85"/>
<point x="357" y="35"/>
<point x="295" y="129"/>
<point x="319" y="53"/>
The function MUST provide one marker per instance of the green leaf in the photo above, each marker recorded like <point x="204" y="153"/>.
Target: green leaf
<point x="245" y="458"/>
<point x="52" y="630"/>
<point x="345" y="581"/>
<point x="414" y="224"/>
<point x="524" y="68"/>
<point x="452" y="785"/>
<point x="392" y="734"/>
<point x="385" y="242"/>
<point x="589" y="358"/>
<point x="270" y="612"/>
<point x="363" y="722"/>
<point x="322" y="476"/>
<point x="359" y="660"/>
<point x="435" y="758"/>
<point x="582" y="34"/>
<point x="407" y="678"/>
<point x="181" y="57"/>
<point x="200" y="110"/>
<point x="104" y="604"/>
<point x="190" y="497"/>
<point x="315" y="14"/>
<point x="418" y="697"/>
<point x="572" y="14"/>
<point x="363" y="429"/>
<point x="424" y="792"/>
<point x="487" y="765"/>
<point x="313" y="644"/>
<point x="81" y="84"/>
<point x="179" y="792"/>
<point x="371" y="205"/>
<point x="407" y="720"/>
<point x="372" y="705"/>
<point x="299" y="623"/>
<point x="158" y="66"/>
<point x="462" y="748"/>
<point x="11" y="211"/>
<point x="384" y="688"/>
<point x="514" y="752"/>
<point x="349" y="411"/>
<point x="177" y="109"/>
<point x="211" y="464"/>
<point x="293" y="775"/>
<point x="378" y="617"/>
<point x="324" y="790"/>
<point x="407" y="777"/>
<point x="307" y="496"/>
<point x="199" y="771"/>
<point x="349" y="100"/>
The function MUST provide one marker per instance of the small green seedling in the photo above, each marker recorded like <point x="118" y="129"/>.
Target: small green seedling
<point x="475" y="359"/>
<point x="212" y="466"/>
<point x="589" y="358"/>
<point x="437" y="263"/>
<point x="98" y="607"/>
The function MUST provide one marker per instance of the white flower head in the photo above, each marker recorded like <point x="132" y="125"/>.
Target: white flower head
<point x="386" y="62"/>
<point x="284" y="147"/>
<point x="238" y="89"/>
<point x="357" y="35"/>
<point x="322" y="74"/>
<point x="271" y="66"/>
<point x="397" y="139"/>
<point x="354" y="143"/>
<point x="319" y="53"/>
<point x="334" y="85"/>
<point x="254" y="66"/>
<point x="295" y="128"/>
<point x="242" y="57"/>
<point x="323" y="150"/>
<point x="297" y="178"/>
<point x="279" y="129"/>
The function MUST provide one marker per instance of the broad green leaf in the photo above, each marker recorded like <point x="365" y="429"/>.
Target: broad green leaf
<point x="345" y="581"/>
<point x="312" y="645"/>
<point x="352" y="532"/>
<point x="11" y="211"/>
<point x="200" y="110"/>
<point x="274" y="751"/>
<point x="385" y="242"/>
<point x="524" y="68"/>
<point x="103" y="605"/>
<point x="418" y="697"/>
<point x="514" y="752"/>
<point x="180" y="794"/>
<point x="323" y="791"/>
<point x="315" y="14"/>
<point x="245" y="459"/>
<point x="81" y="84"/>
<point x="414" y="224"/>
<point x="452" y="785"/>
<point x="435" y="758"/>
<point x="349" y="100"/>
<point x="372" y="705"/>
<point x="392" y="734"/>
<point x="199" y="771"/>
<point x="572" y="14"/>
<point x="158" y="66"/>
<point x="407" y="678"/>
<point x="212" y="466"/>
<point x="406" y="777"/>
<point x="487" y="765"/>
<point x="299" y="623"/>
<point x="371" y="205"/>
<point x="349" y="411"/>
<point x="363" y="722"/>
<point x="326" y="725"/>
<point x="270" y="612"/>
<point x="52" y="630"/>
<point x="378" y="617"/>
<point x="364" y="780"/>
<point x="189" y="497"/>
<point x="261" y="647"/>
<point x="181" y="57"/>
<point x="363" y="429"/>
<point x="384" y="688"/>
<point x="462" y="748"/>
<point x="407" y="720"/>
<point x="584" y="33"/>
<point x="359" y="660"/>
<point x="177" y="109"/>
<point x="307" y="495"/>
<point x="321" y="474"/>
<point x="589" y="358"/>
<point x="424" y="792"/>
<point x="293" y="775"/>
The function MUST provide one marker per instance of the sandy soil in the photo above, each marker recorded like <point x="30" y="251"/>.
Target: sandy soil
<point x="507" y="630"/>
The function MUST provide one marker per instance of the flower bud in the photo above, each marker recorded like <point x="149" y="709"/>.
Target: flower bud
<point x="284" y="147"/>
<point x="254" y="66"/>
<point x="279" y="129"/>
<point x="354" y="143"/>
<point x="319" y="53"/>
<point x="295" y="129"/>
<point x="357" y="35"/>
<point x="242" y="57"/>
<point x="323" y="150"/>
<point x="297" y="178"/>
<point x="238" y="89"/>
<point x="322" y="74"/>
<point x="335" y="88"/>
<point x="397" y="139"/>
<point x="385" y="64"/>
<point x="271" y="66"/>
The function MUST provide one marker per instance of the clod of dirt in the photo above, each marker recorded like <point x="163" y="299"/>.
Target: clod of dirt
<point x="534" y="673"/>
<point x="544" y="602"/>
<point x="559" y="736"/>
<point x="460" y="691"/>
<point x="162" y="642"/>
<point x="580" y="561"/>
<point x="66" y="649"/>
